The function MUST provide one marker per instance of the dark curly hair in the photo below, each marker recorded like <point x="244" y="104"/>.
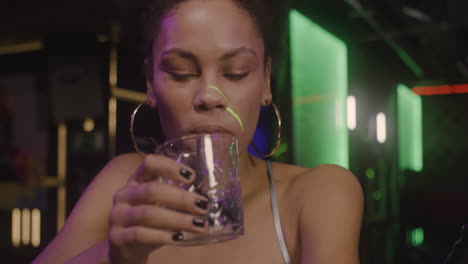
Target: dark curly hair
<point x="150" y="13"/>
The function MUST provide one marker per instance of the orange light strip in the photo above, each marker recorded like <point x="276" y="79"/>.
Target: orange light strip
<point x="442" y="89"/>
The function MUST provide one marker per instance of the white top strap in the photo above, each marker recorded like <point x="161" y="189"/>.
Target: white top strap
<point x="276" y="217"/>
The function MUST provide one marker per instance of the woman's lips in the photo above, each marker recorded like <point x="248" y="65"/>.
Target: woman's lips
<point x="210" y="130"/>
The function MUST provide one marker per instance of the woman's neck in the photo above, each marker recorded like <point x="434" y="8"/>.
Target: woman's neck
<point x="251" y="171"/>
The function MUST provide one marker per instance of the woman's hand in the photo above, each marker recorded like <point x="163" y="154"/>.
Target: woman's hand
<point x="141" y="221"/>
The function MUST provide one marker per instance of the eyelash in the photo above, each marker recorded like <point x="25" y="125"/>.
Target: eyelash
<point x="184" y="77"/>
<point x="180" y="77"/>
<point x="236" y="77"/>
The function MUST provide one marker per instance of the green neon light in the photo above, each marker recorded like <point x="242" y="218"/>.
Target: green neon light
<point x="409" y="129"/>
<point x="283" y="147"/>
<point x="404" y="56"/>
<point x="319" y="92"/>
<point x="219" y="90"/>
<point x="236" y="116"/>
<point x="377" y="196"/>
<point x="417" y="237"/>
<point x="370" y="174"/>
<point x="414" y="67"/>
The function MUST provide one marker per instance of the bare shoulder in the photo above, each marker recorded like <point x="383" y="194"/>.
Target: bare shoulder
<point x="88" y="222"/>
<point x="126" y="162"/>
<point x="115" y="174"/>
<point x="329" y="202"/>
<point x="319" y="182"/>
<point x="110" y="179"/>
<point x="120" y="167"/>
<point x="329" y="176"/>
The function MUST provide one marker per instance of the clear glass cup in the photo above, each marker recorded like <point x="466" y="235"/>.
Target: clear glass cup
<point x="214" y="158"/>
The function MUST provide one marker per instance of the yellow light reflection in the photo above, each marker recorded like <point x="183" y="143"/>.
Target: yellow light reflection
<point x="61" y="174"/>
<point x="21" y="47"/>
<point x="16" y="227"/>
<point x="128" y="95"/>
<point x="112" y="126"/>
<point x="88" y="124"/>
<point x="26" y="226"/>
<point x="36" y="228"/>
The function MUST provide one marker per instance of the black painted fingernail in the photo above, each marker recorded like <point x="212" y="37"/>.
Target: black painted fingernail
<point x="185" y="173"/>
<point x="178" y="236"/>
<point x="200" y="222"/>
<point x="202" y="204"/>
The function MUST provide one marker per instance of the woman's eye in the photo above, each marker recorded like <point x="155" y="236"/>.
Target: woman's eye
<point x="181" y="77"/>
<point x="236" y="77"/>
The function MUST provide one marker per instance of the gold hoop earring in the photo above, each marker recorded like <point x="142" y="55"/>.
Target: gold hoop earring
<point x="278" y="138"/>
<point x="132" y="122"/>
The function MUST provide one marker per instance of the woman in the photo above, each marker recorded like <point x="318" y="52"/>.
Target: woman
<point x="195" y="45"/>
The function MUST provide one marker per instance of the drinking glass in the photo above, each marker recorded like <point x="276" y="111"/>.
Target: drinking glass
<point x="214" y="158"/>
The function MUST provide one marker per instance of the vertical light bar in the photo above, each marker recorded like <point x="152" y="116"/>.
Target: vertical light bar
<point x="26" y="226"/>
<point x="209" y="161"/>
<point x="16" y="227"/>
<point x="351" y="111"/>
<point x="417" y="237"/>
<point x="319" y="92"/>
<point x="61" y="174"/>
<point x="381" y="128"/>
<point x="113" y="56"/>
<point x="36" y="227"/>
<point x="112" y="126"/>
<point x="410" y="142"/>
<point x="113" y="81"/>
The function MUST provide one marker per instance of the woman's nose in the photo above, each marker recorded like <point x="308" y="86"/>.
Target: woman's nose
<point x="210" y="98"/>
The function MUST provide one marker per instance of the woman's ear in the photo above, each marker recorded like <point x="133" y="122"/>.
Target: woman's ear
<point x="149" y="83"/>
<point x="267" y="96"/>
<point x="150" y="97"/>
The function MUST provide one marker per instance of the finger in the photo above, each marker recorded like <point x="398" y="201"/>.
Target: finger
<point x="155" y="166"/>
<point x="160" y="218"/>
<point x="138" y="236"/>
<point x="157" y="193"/>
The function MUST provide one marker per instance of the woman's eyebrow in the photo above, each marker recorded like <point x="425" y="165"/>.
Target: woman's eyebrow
<point x="241" y="50"/>
<point x="182" y="53"/>
<point x="190" y="56"/>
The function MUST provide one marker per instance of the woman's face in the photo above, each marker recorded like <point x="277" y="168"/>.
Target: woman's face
<point x="208" y="70"/>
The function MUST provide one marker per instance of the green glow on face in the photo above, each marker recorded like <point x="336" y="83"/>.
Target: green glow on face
<point x="236" y="116"/>
<point x="319" y="92"/>
<point x="409" y="129"/>
<point x="417" y="237"/>
<point x="219" y="90"/>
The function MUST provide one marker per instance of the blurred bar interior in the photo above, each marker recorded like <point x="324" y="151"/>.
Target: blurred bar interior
<point x="379" y="87"/>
